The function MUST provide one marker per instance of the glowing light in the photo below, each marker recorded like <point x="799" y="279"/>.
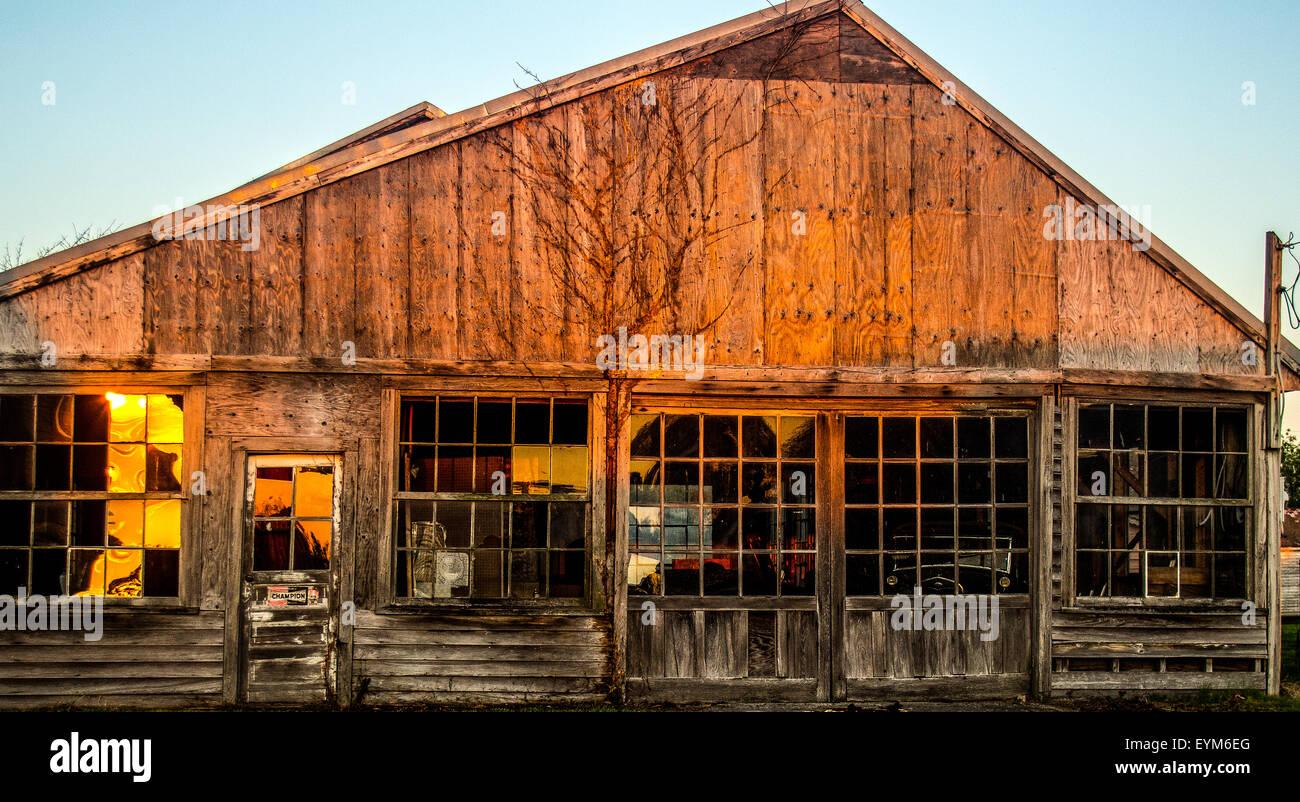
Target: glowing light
<point x="115" y="400"/>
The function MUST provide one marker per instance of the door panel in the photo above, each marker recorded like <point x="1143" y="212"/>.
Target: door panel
<point x="290" y="579"/>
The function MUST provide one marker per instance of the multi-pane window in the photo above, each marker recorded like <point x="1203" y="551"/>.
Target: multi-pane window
<point x="293" y="517"/>
<point x="722" y="505"/>
<point x="936" y="502"/>
<point x="1162" y="505"/>
<point x="90" y="494"/>
<point x="493" y="498"/>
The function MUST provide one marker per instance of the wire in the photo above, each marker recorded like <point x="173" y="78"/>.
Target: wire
<point x="1289" y="293"/>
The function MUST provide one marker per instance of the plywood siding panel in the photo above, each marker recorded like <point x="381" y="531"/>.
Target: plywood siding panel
<point x="734" y="282"/>
<point x="435" y="253"/>
<point x="798" y="227"/>
<point x="276" y="282"/>
<point x="485" y="301"/>
<point x="383" y="249"/>
<point x="871" y="323"/>
<point x="945" y="311"/>
<point x="222" y="291"/>
<point x="97" y="312"/>
<point x="293" y="405"/>
<point x="329" y="275"/>
<point x="169" y="299"/>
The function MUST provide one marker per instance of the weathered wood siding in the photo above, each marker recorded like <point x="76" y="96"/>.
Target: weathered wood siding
<point x="143" y="660"/>
<point x="480" y="658"/>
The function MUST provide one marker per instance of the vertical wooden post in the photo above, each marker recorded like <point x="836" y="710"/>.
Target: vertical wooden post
<point x="1040" y="669"/>
<point x="1272" y="483"/>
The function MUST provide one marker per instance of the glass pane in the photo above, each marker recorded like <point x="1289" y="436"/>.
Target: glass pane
<point x="798" y="530"/>
<point x="899" y="528"/>
<point x="271" y="546"/>
<point x="899" y="573"/>
<point x="1127" y="573"/>
<point x="311" y="546"/>
<point x="527" y="574"/>
<point x="17" y="517"/>
<point x="1162" y="428"/>
<point x="1013" y="482"/>
<point x="54" y="418"/>
<point x="566" y="579"/>
<point x="489" y="578"/>
<point x="645" y="436"/>
<point x="1160" y="528"/>
<point x="493" y="422"/>
<point x="721" y="433"/>
<point x="123" y="568"/>
<point x="937" y="438"/>
<point x="531" y="467"/>
<point x="798" y="483"/>
<point x="89" y="522"/>
<point x="758" y="529"/>
<point x="1198" y="429"/>
<point x="720" y="482"/>
<point x="456" y="468"/>
<point x="1194" y="575"/>
<point x="759" y="436"/>
<point x="1230" y="526"/>
<point x="1013" y="528"/>
<point x="90" y="419"/>
<point x="1091" y="575"/>
<point x="568" y="525"/>
<point x="1162" y="574"/>
<point x="721" y="573"/>
<point x="162" y="524"/>
<point x="643" y="576"/>
<point x="453" y="518"/>
<point x="163" y="467"/>
<point x="974" y="483"/>
<point x="490" y="522"/>
<point x="898" y="438"/>
<point x="570" y="422"/>
<point x="938" y="530"/>
<point x="49" y="523"/>
<point x="1094" y="474"/>
<point x="643" y="476"/>
<point x="418" y="468"/>
<point x="532" y="422"/>
<point x="16" y="463"/>
<point x="760" y="574"/>
<point x="862" y="574"/>
<point x="1129" y="427"/>
<point x="975" y="528"/>
<point x="1197" y="477"/>
<point x="861" y="529"/>
<point x="17" y="416"/>
<point x="492" y="470"/>
<point x="798" y="437"/>
<point x="681" y="526"/>
<point x="126" y="418"/>
<point x="1230" y="576"/>
<point x="455" y="420"/>
<point x="682" y="482"/>
<point x="681" y="573"/>
<point x="528" y="526"/>
<point x="758" y="483"/>
<point x="273" y="492"/>
<point x="899" y="485"/>
<point x="166" y="420"/>
<point x="419" y="420"/>
<point x="721" y="528"/>
<point x="445" y="573"/>
<point x="681" y="436"/>
<point x="569" y="470"/>
<point x="1094" y="426"/>
<point x="1012" y="437"/>
<point x="162" y="571"/>
<point x="1231" y="424"/>
<point x="1230" y="473"/>
<point x="85" y="568"/>
<point x="52" y="467"/>
<point x="313" y="494"/>
<point x="861" y="483"/>
<point x="1162" y="475"/>
<point x="973" y="438"/>
<point x="936" y="483"/>
<point x="643" y="527"/>
<point x="125" y="523"/>
<point x="862" y="437"/>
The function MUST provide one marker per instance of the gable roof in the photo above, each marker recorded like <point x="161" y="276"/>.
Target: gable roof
<point x="424" y="126"/>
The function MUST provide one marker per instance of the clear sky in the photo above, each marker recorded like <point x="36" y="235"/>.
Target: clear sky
<point x="155" y="102"/>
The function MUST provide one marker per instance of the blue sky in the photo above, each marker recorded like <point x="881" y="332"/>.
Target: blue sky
<point x="158" y="101"/>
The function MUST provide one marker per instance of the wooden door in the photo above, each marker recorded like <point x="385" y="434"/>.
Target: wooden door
<point x="290" y="579"/>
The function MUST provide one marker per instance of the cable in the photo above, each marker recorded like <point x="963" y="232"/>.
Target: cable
<point x="1289" y="293"/>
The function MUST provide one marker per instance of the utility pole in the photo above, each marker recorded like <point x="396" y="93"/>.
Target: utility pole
<point x="1274" y="507"/>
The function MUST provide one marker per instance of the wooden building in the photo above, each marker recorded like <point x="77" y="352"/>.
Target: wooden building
<point x="392" y="435"/>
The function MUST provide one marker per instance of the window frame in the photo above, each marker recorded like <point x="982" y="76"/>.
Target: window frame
<point x="1071" y="498"/>
<point x="392" y="497"/>
<point x="192" y="447"/>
